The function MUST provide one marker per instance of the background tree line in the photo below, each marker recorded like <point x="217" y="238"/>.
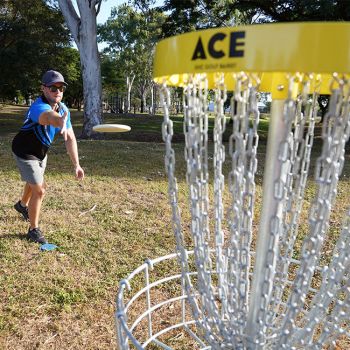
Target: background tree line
<point x="34" y="38"/>
<point x="37" y="35"/>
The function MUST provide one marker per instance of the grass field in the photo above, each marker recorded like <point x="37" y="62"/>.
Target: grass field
<point x="104" y="227"/>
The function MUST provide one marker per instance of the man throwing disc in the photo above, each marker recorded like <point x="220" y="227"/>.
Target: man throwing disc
<point x="46" y="117"/>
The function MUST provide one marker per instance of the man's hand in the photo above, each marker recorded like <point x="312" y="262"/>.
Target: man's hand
<point x="79" y="172"/>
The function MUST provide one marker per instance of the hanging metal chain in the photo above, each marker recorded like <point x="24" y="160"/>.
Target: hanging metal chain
<point x="299" y="145"/>
<point x="243" y="150"/>
<point x="219" y="180"/>
<point x="272" y="223"/>
<point x="329" y="167"/>
<point x="335" y="288"/>
<point x="167" y="133"/>
<point x="221" y="305"/>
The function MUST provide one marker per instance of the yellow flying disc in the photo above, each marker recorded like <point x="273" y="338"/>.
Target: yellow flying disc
<point x="111" y="128"/>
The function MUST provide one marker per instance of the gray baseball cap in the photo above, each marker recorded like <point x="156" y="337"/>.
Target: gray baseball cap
<point x="52" y="77"/>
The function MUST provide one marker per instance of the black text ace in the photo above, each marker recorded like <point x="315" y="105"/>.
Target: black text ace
<point x="234" y="47"/>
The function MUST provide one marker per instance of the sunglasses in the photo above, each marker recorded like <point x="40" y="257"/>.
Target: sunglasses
<point x="54" y="88"/>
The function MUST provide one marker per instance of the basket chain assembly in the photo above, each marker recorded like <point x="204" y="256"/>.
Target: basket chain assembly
<point x="220" y="298"/>
<point x="253" y="270"/>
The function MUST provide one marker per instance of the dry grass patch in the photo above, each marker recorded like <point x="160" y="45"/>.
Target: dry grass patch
<point x="65" y="299"/>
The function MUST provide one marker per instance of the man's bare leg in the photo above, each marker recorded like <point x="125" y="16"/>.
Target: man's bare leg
<point x="27" y="193"/>
<point x="34" y="205"/>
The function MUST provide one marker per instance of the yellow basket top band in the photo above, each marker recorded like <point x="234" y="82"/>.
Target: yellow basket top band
<point x="312" y="47"/>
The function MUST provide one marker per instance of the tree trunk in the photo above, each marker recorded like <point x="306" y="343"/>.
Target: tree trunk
<point x="90" y="64"/>
<point x="129" y="82"/>
<point x="143" y="100"/>
<point x="84" y="29"/>
<point x="154" y="98"/>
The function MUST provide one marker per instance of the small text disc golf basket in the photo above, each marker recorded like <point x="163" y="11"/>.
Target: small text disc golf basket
<point x="265" y="260"/>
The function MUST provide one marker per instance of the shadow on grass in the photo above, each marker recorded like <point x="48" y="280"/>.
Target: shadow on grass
<point x="20" y="236"/>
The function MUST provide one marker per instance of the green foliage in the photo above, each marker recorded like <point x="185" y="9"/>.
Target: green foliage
<point x="131" y="37"/>
<point x="32" y="38"/>
<point x="297" y="10"/>
<point x="70" y="68"/>
<point x="112" y="75"/>
<point x="188" y="15"/>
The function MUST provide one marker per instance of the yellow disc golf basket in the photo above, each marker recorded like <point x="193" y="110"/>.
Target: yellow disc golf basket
<point x="262" y="259"/>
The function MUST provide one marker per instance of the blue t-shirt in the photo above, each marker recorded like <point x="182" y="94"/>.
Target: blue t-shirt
<point x="34" y="139"/>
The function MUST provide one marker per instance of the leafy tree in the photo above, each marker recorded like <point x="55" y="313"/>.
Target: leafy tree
<point x="84" y="31"/>
<point x="71" y="70"/>
<point x="118" y="33"/>
<point x="113" y="82"/>
<point x="32" y="40"/>
<point x="296" y="10"/>
<point x="112" y="75"/>
<point x="188" y="15"/>
<point x="131" y="38"/>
